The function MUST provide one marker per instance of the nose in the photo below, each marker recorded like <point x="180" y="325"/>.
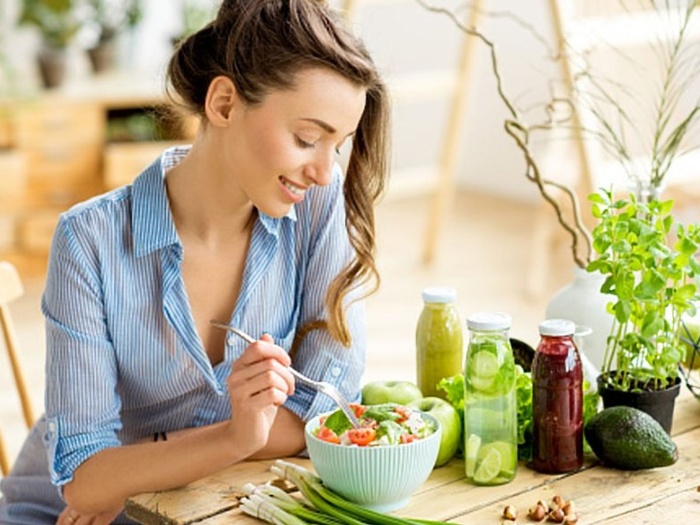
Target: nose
<point x="320" y="169"/>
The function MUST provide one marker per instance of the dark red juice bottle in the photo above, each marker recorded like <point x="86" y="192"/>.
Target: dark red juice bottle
<point x="557" y="399"/>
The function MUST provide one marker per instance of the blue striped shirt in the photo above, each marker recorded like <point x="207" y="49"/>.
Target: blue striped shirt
<point x="124" y="359"/>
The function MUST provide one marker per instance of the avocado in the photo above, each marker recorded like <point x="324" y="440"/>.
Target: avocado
<point x="627" y="438"/>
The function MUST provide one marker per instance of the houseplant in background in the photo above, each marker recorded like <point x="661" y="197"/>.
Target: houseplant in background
<point x="108" y="18"/>
<point x="649" y="261"/>
<point x="639" y="122"/>
<point x="58" y="22"/>
<point x="195" y="14"/>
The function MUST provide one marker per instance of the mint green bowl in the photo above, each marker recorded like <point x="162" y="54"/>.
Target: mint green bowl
<point x="381" y="478"/>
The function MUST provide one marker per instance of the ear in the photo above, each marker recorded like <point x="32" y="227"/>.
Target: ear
<point x="220" y="101"/>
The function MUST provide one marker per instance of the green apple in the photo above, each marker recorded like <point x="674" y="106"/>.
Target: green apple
<point x="449" y="420"/>
<point x="400" y="392"/>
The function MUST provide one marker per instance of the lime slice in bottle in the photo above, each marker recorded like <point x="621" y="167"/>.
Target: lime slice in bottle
<point x="472" y="452"/>
<point x="489" y="467"/>
<point x="483" y="370"/>
<point x="485" y="364"/>
<point x="507" y="451"/>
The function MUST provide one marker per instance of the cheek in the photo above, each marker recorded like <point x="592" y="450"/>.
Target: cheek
<point x="272" y="149"/>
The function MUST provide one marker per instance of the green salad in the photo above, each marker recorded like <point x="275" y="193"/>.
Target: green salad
<point x="386" y="424"/>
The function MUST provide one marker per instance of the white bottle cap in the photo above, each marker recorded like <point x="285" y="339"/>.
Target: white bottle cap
<point x="557" y="327"/>
<point x="439" y="294"/>
<point x="489" y="321"/>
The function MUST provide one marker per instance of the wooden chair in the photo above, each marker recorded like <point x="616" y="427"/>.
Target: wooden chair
<point x="10" y="290"/>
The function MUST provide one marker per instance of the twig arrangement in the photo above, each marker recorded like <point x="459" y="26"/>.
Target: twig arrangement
<point x="606" y="103"/>
<point x="521" y="132"/>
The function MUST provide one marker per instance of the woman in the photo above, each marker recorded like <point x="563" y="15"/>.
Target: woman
<point x="254" y="226"/>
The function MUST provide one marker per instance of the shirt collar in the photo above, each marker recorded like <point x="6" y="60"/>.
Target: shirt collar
<point x="272" y="225"/>
<point x="152" y="220"/>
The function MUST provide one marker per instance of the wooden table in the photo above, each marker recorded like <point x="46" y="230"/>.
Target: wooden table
<point x="600" y="494"/>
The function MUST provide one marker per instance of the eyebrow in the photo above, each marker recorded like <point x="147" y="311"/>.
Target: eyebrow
<point x="325" y="126"/>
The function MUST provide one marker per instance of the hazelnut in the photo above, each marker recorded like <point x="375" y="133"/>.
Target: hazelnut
<point x="568" y="508"/>
<point x="538" y="512"/>
<point x="571" y="519"/>
<point x="510" y="513"/>
<point x="557" y="516"/>
<point x="556" y="503"/>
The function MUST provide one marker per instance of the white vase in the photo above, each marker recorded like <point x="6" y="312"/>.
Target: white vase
<point x="582" y="301"/>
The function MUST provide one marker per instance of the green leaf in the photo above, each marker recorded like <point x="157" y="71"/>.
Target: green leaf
<point x="685" y="293"/>
<point x="686" y="247"/>
<point x="338" y="422"/>
<point x="665" y="207"/>
<point x="391" y="430"/>
<point x="652" y="283"/>
<point x="622" y="247"/>
<point x="596" y="198"/>
<point x="652" y="324"/>
<point x="622" y="311"/>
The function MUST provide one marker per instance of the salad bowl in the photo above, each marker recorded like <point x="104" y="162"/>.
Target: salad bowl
<point x="381" y="477"/>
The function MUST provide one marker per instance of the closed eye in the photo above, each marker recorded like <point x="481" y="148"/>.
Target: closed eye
<point x="303" y="144"/>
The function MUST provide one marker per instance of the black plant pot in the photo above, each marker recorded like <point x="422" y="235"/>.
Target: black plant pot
<point x="659" y="404"/>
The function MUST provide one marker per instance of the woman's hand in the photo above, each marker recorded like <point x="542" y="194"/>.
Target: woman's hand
<point x="259" y="383"/>
<point x="70" y="516"/>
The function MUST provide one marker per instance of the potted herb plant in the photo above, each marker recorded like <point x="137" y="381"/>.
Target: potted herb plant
<point x="651" y="271"/>
<point x="58" y="23"/>
<point x="109" y="18"/>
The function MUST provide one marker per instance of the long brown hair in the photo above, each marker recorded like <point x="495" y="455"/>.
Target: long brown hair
<point x="261" y="45"/>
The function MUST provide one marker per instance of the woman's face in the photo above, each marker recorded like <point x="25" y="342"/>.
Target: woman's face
<point x="289" y="143"/>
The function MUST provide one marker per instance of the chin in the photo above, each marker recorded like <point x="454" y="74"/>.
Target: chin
<point x="276" y="212"/>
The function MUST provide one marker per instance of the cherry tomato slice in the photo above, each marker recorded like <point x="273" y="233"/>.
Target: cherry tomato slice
<point x="408" y="438"/>
<point x="362" y="436"/>
<point x="326" y="434"/>
<point x="404" y="412"/>
<point x="358" y="409"/>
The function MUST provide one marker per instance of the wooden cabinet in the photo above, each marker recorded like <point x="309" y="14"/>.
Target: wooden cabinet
<point x="62" y="144"/>
<point x="59" y="148"/>
<point x="124" y="161"/>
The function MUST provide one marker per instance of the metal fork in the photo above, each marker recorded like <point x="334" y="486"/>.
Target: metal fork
<point x="321" y="386"/>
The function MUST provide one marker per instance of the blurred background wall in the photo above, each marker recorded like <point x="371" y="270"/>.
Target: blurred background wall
<point x="405" y="39"/>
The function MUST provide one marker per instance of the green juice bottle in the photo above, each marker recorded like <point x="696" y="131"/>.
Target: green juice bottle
<point x="438" y="340"/>
<point x="490" y="411"/>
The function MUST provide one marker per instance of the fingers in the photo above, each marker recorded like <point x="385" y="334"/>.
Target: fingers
<point x="262" y="366"/>
<point x="67" y="517"/>
<point x="261" y="377"/>
<point x="264" y="348"/>
<point x="70" y="516"/>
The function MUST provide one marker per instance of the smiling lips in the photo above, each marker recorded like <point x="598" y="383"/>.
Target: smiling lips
<point x="296" y="190"/>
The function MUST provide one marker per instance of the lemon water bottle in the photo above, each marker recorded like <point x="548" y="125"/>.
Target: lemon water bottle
<point x="490" y="411"/>
<point x="438" y="340"/>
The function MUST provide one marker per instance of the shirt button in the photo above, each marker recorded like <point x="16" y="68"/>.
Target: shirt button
<point x="335" y="371"/>
<point x="231" y="340"/>
<point x="52" y="427"/>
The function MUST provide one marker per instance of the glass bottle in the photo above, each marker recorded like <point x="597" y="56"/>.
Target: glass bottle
<point x="438" y="340"/>
<point x="490" y="410"/>
<point x="557" y="399"/>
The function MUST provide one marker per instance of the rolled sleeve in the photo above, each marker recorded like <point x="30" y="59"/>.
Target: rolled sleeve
<point x="322" y="358"/>
<point x="82" y="406"/>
